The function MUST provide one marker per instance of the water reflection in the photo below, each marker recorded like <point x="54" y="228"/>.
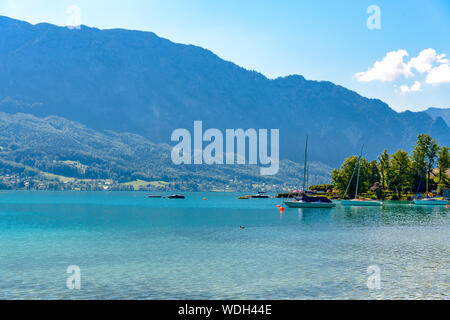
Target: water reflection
<point x="402" y="213"/>
<point x="300" y="214"/>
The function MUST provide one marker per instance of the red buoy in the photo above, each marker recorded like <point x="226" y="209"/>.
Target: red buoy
<point x="282" y="209"/>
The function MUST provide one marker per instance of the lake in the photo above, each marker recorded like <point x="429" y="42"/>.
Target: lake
<point x="128" y="246"/>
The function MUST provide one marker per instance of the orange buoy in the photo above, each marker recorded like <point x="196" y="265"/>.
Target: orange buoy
<point x="278" y="206"/>
<point x="204" y="198"/>
<point x="282" y="209"/>
<point x="447" y="206"/>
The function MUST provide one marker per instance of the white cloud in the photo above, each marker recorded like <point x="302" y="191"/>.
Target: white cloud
<point x="438" y="75"/>
<point x="390" y="68"/>
<point x="434" y="67"/>
<point x="424" y="61"/>
<point x="417" y="86"/>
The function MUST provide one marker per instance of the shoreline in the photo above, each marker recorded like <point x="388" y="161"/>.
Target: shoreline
<point x="165" y="193"/>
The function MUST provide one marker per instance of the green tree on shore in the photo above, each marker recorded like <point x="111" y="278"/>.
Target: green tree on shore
<point x="374" y="173"/>
<point x="383" y="161"/>
<point x="443" y="163"/>
<point x="424" y="157"/>
<point x="399" y="178"/>
<point x="397" y="173"/>
<point x="341" y="177"/>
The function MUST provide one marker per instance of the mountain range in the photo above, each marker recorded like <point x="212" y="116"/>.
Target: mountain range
<point x="444" y="113"/>
<point x="121" y="82"/>
<point x="56" y="147"/>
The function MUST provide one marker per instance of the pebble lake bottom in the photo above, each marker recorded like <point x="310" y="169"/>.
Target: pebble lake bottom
<point x="128" y="246"/>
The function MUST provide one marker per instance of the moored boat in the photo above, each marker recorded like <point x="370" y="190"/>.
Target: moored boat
<point x="176" y="196"/>
<point x="357" y="202"/>
<point x="310" y="202"/>
<point x="430" y="202"/>
<point x="260" y="196"/>
<point x="430" y="199"/>
<point x="254" y="196"/>
<point x="362" y="203"/>
<point x="306" y="201"/>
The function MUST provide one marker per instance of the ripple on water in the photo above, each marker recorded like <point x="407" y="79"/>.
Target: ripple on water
<point x="130" y="247"/>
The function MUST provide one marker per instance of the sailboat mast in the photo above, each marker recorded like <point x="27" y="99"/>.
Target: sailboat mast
<point x="420" y="182"/>
<point x="306" y="161"/>
<point x="359" y="170"/>
<point x="307" y="176"/>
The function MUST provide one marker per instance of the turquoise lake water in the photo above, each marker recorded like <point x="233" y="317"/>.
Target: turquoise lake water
<point x="131" y="247"/>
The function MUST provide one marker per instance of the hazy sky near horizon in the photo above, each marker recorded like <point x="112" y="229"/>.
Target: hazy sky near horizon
<point x="405" y="62"/>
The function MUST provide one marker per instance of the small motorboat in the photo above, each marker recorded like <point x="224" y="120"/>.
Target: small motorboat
<point x="255" y="196"/>
<point x="260" y="196"/>
<point x="310" y="202"/>
<point x="176" y="196"/>
<point x="154" y="196"/>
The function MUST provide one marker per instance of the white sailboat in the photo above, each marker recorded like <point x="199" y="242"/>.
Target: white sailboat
<point x="359" y="202"/>
<point x="429" y="200"/>
<point x="362" y="203"/>
<point x="306" y="201"/>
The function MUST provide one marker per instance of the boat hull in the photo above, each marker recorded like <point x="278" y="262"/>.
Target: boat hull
<point x="176" y="196"/>
<point x="300" y="204"/>
<point x="358" y="203"/>
<point x="430" y="202"/>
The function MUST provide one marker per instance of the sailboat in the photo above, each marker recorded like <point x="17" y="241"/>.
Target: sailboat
<point x="306" y="201"/>
<point x="429" y="200"/>
<point x="359" y="202"/>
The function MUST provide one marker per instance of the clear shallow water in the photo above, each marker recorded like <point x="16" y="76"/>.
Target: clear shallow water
<point x="131" y="247"/>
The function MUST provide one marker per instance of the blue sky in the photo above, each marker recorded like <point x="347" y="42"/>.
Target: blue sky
<point x="321" y="39"/>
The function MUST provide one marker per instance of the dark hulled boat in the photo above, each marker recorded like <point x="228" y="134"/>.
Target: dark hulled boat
<point x="176" y="196"/>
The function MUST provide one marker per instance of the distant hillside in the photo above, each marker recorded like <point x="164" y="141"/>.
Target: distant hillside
<point x="132" y="81"/>
<point x="69" y="149"/>
<point x="444" y="113"/>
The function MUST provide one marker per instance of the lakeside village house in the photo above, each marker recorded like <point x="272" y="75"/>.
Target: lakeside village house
<point x="17" y="182"/>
